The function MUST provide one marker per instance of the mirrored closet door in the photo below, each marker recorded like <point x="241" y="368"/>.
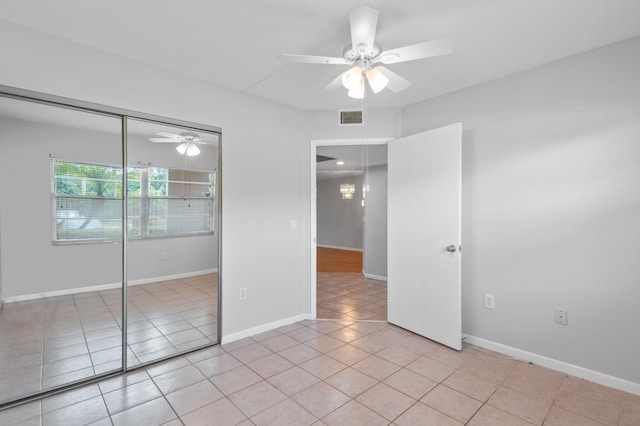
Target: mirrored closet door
<point x="172" y="252"/>
<point x="60" y="246"/>
<point x="109" y="236"/>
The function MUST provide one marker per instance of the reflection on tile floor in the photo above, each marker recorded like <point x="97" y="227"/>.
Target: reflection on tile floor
<point x="350" y="296"/>
<point x="336" y="373"/>
<point x="52" y="341"/>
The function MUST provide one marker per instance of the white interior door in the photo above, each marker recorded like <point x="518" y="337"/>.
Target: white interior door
<point x="424" y="275"/>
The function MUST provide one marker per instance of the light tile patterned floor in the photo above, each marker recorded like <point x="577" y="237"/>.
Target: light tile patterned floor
<point x="53" y="341"/>
<point x="336" y="373"/>
<point x="350" y="296"/>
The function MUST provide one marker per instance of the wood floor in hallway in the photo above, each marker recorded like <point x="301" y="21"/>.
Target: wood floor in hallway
<point x="338" y="260"/>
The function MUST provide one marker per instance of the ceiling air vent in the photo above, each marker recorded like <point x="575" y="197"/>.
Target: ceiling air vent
<point x="350" y="118"/>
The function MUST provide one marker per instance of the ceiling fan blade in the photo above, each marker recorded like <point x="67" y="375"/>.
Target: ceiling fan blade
<point x="335" y="83"/>
<point x="200" y="138"/>
<point x="165" y="140"/>
<point x="363" y="22"/>
<point x="426" y="49"/>
<point x="206" y="137"/>
<point x="396" y="83"/>
<point x="308" y="59"/>
<point x="206" y="140"/>
<point x="169" y="135"/>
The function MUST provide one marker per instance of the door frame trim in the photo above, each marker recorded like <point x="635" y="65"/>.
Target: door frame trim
<point x="313" y="228"/>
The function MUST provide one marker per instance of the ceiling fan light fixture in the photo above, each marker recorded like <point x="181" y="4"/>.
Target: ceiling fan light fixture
<point x="357" y="92"/>
<point x="377" y="80"/>
<point x="351" y="78"/>
<point x="192" y="150"/>
<point x="188" y="148"/>
<point x="182" y="148"/>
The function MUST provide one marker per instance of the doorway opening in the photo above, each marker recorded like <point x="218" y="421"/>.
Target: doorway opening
<point x="349" y="226"/>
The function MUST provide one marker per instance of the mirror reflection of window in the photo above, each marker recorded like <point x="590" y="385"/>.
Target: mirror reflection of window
<point x="87" y="201"/>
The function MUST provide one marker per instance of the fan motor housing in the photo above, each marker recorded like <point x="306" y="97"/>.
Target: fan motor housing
<point x="361" y="52"/>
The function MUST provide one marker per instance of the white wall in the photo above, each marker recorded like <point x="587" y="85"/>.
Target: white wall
<point x="257" y="241"/>
<point x="339" y="222"/>
<point x="374" y="259"/>
<point x="551" y="206"/>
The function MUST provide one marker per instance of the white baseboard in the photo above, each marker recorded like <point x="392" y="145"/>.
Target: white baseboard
<point x="66" y="292"/>
<point x="374" y="277"/>
<point x="173" y="277"/>
<point x="564" y="367"/>
<point x="338" y="248"/>
<point x="102" y="287"/>
<point x="262" y="328"/>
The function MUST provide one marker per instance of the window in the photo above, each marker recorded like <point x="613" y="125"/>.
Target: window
<point x="88" y="201"/>
<point x="165" y="202"/>
<point x="161" y="201"/>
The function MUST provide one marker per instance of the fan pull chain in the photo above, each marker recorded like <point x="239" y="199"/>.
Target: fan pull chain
<point x="186" y="180"/>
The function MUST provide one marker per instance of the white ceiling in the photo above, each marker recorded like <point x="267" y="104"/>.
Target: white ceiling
<point x="236" y="43"/>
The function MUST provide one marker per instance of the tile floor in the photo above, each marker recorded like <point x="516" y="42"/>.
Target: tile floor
<point x="350" y="296"/>
<point x="336" y="373"/>
<point x="53" y="341"/>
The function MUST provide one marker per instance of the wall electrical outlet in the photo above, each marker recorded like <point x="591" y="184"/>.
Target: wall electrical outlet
<point x="489" y="301"/>
<point x="163" y="255"/>
<point x="243" y="293"/>
<point x="561" y="316"/>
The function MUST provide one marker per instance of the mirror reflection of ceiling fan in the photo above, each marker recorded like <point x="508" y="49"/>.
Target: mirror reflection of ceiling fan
<point x="367" y="58"/>
<point x="188" y="141"/>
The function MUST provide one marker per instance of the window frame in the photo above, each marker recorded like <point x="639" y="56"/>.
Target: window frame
<point x="210" y="213"/>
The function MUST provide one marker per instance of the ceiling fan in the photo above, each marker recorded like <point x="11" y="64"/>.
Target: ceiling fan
<point x="188" y="141"/>
<point x="367" y="58"/>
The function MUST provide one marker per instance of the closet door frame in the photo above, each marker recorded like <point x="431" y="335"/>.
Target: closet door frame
<point x="125" y="114"/>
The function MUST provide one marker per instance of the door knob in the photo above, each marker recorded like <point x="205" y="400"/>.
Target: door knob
<point x="451" y="249"/>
